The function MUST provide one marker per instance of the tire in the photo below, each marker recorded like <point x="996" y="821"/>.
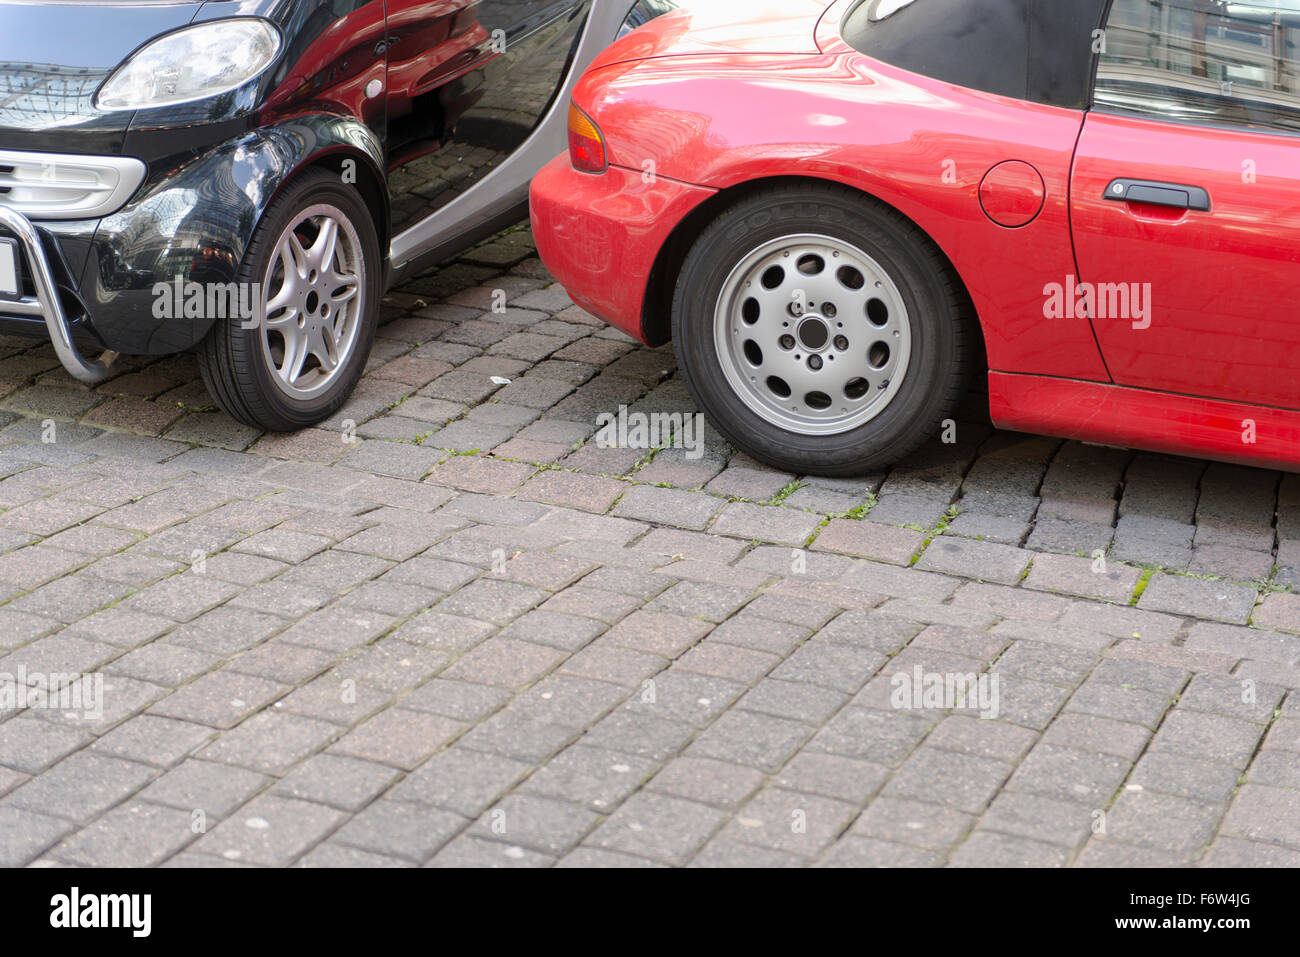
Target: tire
<point x="753" y="313"/>
<point x="245" y="364"/>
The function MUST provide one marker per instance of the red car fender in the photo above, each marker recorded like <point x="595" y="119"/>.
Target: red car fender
<point x="599" y="235"/>
<point x="924" y="147"/>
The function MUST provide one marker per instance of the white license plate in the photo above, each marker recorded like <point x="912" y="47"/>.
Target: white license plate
<point x="9" y="284"/>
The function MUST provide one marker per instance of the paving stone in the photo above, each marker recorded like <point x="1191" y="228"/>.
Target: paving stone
<point x="761" y="523"/>
<point x="701" y="600"/>
<point x="707" y="781"/>
<point x="25" y="834"/>
<point x="221" y="699"/>
<point x="789" y="821"/>
<point x="962" y="781"/>
<point x="148" y="739"/>
<point x="1072" y="537"/>
<point x="1180" y="776"/>
<point x="885" y="543"/>
<point x="691" y="510"/>
<point x="990" y="849"/>
<point x="1199" y="597"/>
<point x="392" y="458"/>
<point x="884" y="738"/>
<point x="137" y="834"/>
<point x="1243" y="642"/>
<point x="1068" y="774"/>
<point x="1007" y="530"/>
<point x="1230" y="852"/>
<point x="466" y="851"/>
<point x="505" y="662"/>
<point x="1113" y="854"/>
<point x="929" y="826"/>
<point x="1162" y="821"/>
<point x="1280" y="611"/>
<point x="658" y="827"/>
<point x="1086" y="577"/>
<point x="1092" y="733"/>
<point x="986" y="561"/>
<point x="495" y="602"/>
<point x="682" y="696"/>
<point x="1232" y="696"/>
<point x="1210" y="736"/>
<point x="573" y="490"/>
<point x="399" y="737"/>
<point x="270" y="742"/>
<point x="858" y="852"/>
<point x="1037" y="818"/>
<point x="593" y="777"/>
<point x="1135" y="705"/>
<point x="797" y="700"/>
<point x="537" y="823"/>
<point x="270" y="830"/>
<point x="196" y="785"/>
<point x="398" y="829"/>
<point x="81" y="786"/>
<point x="753" y="740"/>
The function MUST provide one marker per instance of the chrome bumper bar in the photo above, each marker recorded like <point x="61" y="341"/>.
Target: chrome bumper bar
<point x="47" y="304"/>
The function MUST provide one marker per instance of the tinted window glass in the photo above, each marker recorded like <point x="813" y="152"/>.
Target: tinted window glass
<point x="1204" y="61"/>
<point x="1039" y="50"/>
<point x="949" y="40"/>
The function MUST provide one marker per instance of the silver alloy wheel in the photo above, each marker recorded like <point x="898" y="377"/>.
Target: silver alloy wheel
<point x="313" y="301"/>
<point x="812" y="334"/>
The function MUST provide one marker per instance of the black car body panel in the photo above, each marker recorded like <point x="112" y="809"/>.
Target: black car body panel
<point x="53" y="59"/>
<point x="464" y="85"/>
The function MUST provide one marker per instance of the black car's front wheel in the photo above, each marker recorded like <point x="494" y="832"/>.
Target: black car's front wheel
<point x="316" y="264"/>
<point x="820" y="331"/>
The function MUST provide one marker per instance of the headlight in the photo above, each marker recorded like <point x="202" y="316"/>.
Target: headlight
<point x="191" y="64"/>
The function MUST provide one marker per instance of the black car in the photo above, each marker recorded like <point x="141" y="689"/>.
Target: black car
<point x="248" y="176"/>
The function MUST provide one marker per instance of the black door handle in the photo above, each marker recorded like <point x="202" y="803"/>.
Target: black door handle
<point x="1158" y="194"/>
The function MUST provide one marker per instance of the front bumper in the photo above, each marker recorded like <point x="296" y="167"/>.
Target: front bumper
<point x="193" y="218"/>
<point x="45" y="302"/>
<point x="601" y="235"/>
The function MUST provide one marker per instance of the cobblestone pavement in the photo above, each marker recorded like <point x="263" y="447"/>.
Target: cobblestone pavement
<point x="464" y="634"/>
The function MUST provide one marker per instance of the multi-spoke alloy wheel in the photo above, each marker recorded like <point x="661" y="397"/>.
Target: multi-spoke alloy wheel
<point x="315" y="294"/>
<point x="813" y="334"/>
<point x="819" y="330"/>
<point x="315" y="257"/>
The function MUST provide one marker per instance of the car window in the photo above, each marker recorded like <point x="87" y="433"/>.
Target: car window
<point x="1212" y="62"/>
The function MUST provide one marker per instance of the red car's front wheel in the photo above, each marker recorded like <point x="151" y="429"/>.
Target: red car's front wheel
<point x="820" y="331"/>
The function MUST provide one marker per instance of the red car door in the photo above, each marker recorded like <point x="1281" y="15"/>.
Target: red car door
<point x="1185" y="198"/>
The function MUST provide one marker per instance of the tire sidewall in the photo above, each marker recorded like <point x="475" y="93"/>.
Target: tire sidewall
<point x="738" y="232"/>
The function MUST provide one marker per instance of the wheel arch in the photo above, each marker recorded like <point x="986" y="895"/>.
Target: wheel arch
<point x="367" y="179"/>
<point x="656" y="318"/>
<point x="235" y="184"/>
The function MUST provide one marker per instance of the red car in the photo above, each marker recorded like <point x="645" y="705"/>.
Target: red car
<point x="842" y="212"/>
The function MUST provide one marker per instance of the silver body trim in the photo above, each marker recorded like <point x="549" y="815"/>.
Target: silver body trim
<point x="47" y="303"/>
<point x="507" y="186"/>
<point x="49" y="186"/>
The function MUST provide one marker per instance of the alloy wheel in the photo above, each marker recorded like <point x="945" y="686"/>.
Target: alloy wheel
<point x="812" y="334"/>
<point x="313" y="301"/>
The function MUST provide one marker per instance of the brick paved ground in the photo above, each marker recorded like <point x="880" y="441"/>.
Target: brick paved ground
<point x="463" y="634"/>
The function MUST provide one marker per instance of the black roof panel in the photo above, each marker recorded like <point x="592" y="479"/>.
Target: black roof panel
<point x="1038" y="50"/>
